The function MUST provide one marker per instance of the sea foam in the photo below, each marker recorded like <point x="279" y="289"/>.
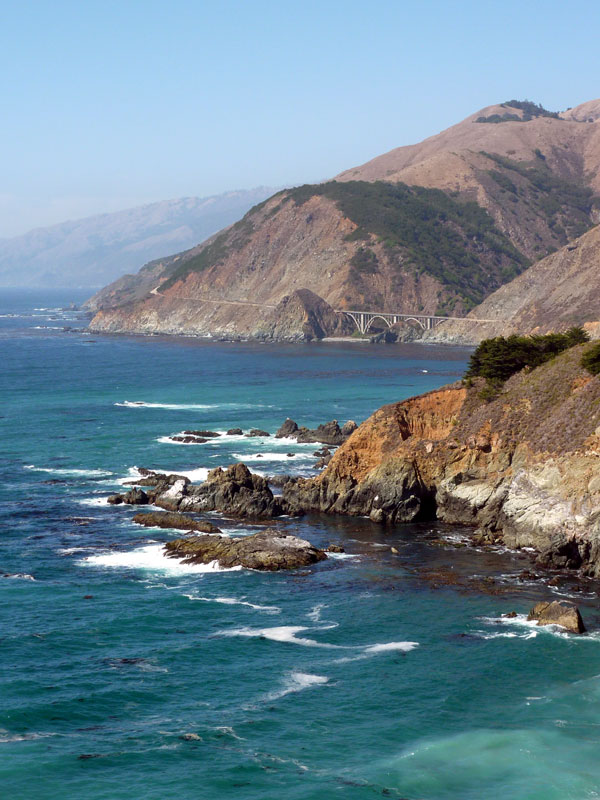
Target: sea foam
<point x="265" y="456"/>
<point x="74" y="473"/>
<point x="296" y="682"/>
<point x="283" y="633"/>
<point x="186" y="406"/>
<point x="233" y="601"/>
<point x="151" y="557"/>
<point x="529" y="629"/>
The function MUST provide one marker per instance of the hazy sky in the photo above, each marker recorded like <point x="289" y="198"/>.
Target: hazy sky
<point x="112" y="104"/>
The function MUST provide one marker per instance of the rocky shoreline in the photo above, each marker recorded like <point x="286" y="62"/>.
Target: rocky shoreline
<point x="520" y="470"/>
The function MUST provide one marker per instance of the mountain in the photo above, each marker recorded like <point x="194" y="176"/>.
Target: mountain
<point x="90" y="252"/>
<point x="432" y="228"/>
<point x="554" y="294"/>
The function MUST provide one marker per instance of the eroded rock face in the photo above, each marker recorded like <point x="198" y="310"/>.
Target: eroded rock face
<point x="559" y="612"/>
<point x="268" y="550"/>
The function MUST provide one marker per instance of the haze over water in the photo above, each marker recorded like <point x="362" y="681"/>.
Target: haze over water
<point x="360" y="677"/>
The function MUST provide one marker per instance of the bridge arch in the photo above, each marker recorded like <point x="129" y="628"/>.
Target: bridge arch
<point x="372" y="318"/>
<point x="415" y="319"/>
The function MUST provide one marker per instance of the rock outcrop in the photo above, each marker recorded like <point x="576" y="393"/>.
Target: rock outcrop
<point x="268" y="550"/>
<point x="524" y="468"/>
<point x="234" y="491"/>
<point x="559" y="612"/>
<point x="329" y="433"/>
<point x="302" y="317"/>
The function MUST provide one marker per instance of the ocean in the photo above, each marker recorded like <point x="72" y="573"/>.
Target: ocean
<point x="375" y="673"/>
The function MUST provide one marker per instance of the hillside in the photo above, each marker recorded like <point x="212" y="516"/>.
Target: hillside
<point x="434" y="227"/>
<point x="90" y="252"/>
<point x="355" y="244"/>
<point x="555" y="293"/>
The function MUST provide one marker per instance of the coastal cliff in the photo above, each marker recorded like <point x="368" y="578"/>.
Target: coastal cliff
<point x="524" y="468"/>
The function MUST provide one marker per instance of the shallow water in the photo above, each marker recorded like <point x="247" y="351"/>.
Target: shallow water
<point x="370" y="674"/>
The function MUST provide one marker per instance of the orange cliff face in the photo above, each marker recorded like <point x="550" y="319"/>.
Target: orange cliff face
<point x="394" y="430"/>
<point x="523" y="469"/>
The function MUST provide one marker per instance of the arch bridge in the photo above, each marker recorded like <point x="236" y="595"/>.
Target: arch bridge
<point x="364" y="319"/>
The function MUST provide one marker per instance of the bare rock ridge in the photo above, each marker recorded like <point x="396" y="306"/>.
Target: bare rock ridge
<point x="434" y="227"/>
<point x="523" y="468"/>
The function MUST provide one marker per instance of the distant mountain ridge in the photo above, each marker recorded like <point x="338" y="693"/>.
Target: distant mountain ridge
<point x="91" y="252"/>
<point x="434" y="228"/>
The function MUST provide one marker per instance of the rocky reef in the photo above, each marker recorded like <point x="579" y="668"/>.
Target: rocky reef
<point x="523" y="468"/>
<point x="234" y="491"/>
<point x="267" y="550"/>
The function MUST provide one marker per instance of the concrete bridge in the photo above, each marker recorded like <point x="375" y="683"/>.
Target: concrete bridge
<point x="364" y="319"/>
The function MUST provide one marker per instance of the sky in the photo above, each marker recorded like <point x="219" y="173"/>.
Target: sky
<point x="108" y="105"/>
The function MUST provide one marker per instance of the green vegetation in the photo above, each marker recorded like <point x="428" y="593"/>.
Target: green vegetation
<point x="426" y="230"/>
<point x="566" y="207"/>
<point x="590" y="360"/>
<point x="530" y="111"/>
<point x="423" y="230"/>
<point x="364" y="261"/>
<point x="499" y="358"/>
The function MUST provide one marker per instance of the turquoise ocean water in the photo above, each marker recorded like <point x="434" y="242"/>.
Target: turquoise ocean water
<point x="358" y="678"/>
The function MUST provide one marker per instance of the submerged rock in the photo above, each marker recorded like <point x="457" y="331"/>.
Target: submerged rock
<point x="257" y="432"/>
<point x="172" y="519"/>
<point x="267" y="550"/>
<point x="234" y="432"/>
<point x="558" y="612"/>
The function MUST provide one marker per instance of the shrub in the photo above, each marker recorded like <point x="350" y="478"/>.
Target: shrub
<point x="530" y="111"/>
<point x="590" y="360"/>
<point x="499" y="358"/>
